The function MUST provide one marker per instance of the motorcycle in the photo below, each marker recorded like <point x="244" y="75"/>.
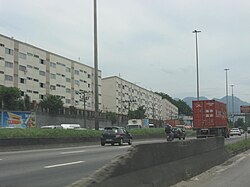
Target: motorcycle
<point x="170" y="137"/>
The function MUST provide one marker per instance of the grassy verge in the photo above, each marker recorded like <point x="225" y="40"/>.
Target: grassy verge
<point x="238" y="146"/>
<point x="47" y="133"/>
<point x="53" y="133"/>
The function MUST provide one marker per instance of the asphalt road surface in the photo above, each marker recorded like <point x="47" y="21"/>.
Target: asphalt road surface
<point x="55" y="167"/>
<point x="233" y="173"/>
<point x="58" y="167"/>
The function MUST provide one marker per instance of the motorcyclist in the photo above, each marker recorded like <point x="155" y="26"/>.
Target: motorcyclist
<point x="169" y="132"/>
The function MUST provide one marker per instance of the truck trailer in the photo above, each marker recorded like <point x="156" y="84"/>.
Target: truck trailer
<point x="210" y="118"/>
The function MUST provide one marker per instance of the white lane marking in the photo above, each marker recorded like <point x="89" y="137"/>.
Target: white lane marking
<point x="72" y="152"/>
<point x="65" y="164"/>
<point x="124" y="147"/>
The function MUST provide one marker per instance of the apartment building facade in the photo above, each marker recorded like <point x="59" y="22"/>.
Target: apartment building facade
<point x="37" y="73"/>
<point x="120" y="96"/>
<point x="169" y="111"/>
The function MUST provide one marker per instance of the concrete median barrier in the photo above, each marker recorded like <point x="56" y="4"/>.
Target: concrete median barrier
<point x="158" y="164"/>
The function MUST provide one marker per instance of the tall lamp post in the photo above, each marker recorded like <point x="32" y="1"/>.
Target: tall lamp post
<point x="226" y="69"/>
<point x="232" y="103"/>
<point x="197" y="64"/>
<point x="96" y="69"/>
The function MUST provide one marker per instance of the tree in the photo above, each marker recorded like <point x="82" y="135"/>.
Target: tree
<point x="112" y="116"/>
<point x="137" y="114"/>
<point x="182" y="106"/>
<point x="239" y="123"/>
<point x="11" y="97"/>
<point x="53" y="103"/>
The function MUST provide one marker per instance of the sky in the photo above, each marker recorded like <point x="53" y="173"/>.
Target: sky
<point x="146" y="42"/>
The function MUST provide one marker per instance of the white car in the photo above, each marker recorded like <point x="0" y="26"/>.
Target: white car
<point x="235" y="131"/>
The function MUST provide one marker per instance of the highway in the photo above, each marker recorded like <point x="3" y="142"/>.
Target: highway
<point x="57" y="167"/>
<point x="234" y="172"/>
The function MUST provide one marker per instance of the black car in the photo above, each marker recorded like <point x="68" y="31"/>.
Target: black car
<point x="114" y="134"/>
<point x="179" y="133"/>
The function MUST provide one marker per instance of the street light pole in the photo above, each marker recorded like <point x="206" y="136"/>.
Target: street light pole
<point x="232" y="103"/>
<point x="226" y="69"/>
<point x="197" y="64"/>
<point x="96" y="69"/>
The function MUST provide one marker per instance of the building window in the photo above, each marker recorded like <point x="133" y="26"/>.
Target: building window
<point x="29" y="54"/>
<point x="36" y="80"/>
<point x="67" y="79"/>
<point x="88" y="75"/>
<point x="29" y="66"/>
<point x="9" y="51"/>
<point x="52" y="64"/>
<point x="29" y="91"/>
<point x="88" y="85"/>
<point x="22" y="80"/>
<point x="1" y="58"/>
<point x="52" y="87"/>
<point x="42" y="85"/>
<point x="1" y="72"/>
<point x="8" y="78"/>
<point x="29" y="78"/>
<point x="36" y="68"/>
<point x="41" y="97"/>
<point x="68" y="90"/>
<point x="42" y="61"/>
<point x="53" y="76"/>
<point x="42" y="73"/>
<point x="22" y="68"/>
<point x="9" y="64"/>
<point x="35" y="92"/>
<point x="76" y="72"/>
<point x="77" y="82"/>
<point x="22" y="55"/>
<point x="1" y="45"/>
<point x="67" y="69"/>
<point x="68" y="101"/>
<point x="36" y="56"/>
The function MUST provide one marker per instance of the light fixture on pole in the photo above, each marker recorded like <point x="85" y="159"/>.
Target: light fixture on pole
<point x="197" y="64"/>
<point x="226" y="69"/>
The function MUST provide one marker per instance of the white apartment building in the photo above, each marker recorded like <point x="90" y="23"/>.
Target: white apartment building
<point x="120" y="96"/>
<point x="37" y="73"/>
<point x="169" y="111"/>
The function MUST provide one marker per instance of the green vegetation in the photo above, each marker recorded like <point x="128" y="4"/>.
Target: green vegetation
<point x="12" y="99"/>
<point x="53" y="103"/>
<point x="238" y="146"/>
<point x="137" y="114"/>
<point x="54" y="133"/>
<point x="46" y="133"/>
<point x="183" y="107"/>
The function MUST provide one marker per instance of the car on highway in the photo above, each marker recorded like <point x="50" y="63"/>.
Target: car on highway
<point x="235" y="131"/>
<point x="115" y="134"/>
<point x="51" y="127"/>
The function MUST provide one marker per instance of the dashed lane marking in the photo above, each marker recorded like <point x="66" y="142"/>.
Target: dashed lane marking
<point x="64" y="164"/>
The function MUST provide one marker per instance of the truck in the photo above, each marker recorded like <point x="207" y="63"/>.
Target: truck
<point x="210" y="118"/>
<point x="137" y="123"/>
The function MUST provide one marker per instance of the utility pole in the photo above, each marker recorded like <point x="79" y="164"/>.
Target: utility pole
<point x="232" y="103"/>
<point x="96" y="69"/>
<point x="2" y="113"/>
<point x="84" y="98"/>
<point x="197" y="64"/>
<point x="226" y="69"/>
